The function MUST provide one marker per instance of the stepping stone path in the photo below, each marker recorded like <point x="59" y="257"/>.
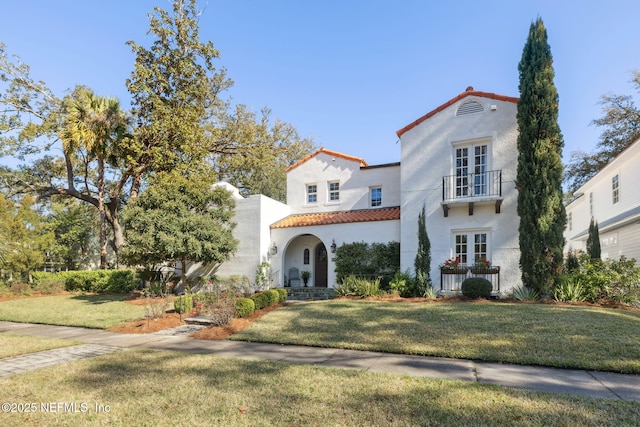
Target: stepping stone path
<point x="181" y="330"/>
<point x="42" y="359"/>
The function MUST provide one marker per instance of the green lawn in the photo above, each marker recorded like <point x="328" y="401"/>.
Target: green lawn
<point x="150" y="388"/>
<point x="15" y="345"/>
<point x="538" y="334"/>
<point x="90" y="311"/>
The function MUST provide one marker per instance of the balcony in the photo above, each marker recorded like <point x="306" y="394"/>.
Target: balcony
<point x="485" y="187"/>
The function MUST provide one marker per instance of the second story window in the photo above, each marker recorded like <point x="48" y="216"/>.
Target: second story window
<point x="334" y="191"/>
<point x="615" y="189"/>
<point x="591" y="205"/>
<point x="471" y="171"/>
<point x="570" y="221"/>
<point x="312" y="193"/>
<point x="376" y="196"/>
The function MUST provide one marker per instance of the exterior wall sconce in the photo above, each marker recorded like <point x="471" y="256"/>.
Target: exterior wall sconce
<point x="274" y="249"/>
<point x="333" y="246"/>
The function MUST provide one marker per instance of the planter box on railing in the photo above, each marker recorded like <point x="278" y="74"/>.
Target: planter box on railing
<point x="459" y="270"/>
<point x="485" y="270"/>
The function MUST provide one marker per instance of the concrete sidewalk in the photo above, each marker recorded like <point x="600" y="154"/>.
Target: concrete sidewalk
<point x="574" y="382"/>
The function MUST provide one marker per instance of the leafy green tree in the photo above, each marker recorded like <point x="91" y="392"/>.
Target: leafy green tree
<point x="539" y="171"/>
<point x="593" y="241"/>
<point x="264" y="151"/>
<point x="179" y="218"/>
<point x="98" y="125"/>
<point x="32" y="122"/>
<point x="422" y="262"/>
<point x="73" y="225"/>
<point x="178" y="117"/>
<point x="175" y="90"/>
<point x="28" y="238"/>
<point x="621" y="127"/>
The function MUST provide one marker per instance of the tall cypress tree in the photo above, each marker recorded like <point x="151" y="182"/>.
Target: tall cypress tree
<point x="422" y="262"/>
<point x="539" y="176"/>
<point x="593" y="241"/>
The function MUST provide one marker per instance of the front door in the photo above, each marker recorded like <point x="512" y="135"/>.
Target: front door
<point x="320" y="272"/>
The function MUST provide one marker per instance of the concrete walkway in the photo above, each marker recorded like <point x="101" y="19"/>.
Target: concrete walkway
<point x="575" y="382"/>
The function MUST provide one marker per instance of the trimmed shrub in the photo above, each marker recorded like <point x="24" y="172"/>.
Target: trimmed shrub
<point x="183" y="304"/>
<point x="244" y="307"/>
<point x="476" y="287"/>
<point x="121" y="281"/>
<point x="114" y="281"/>
<point x="282" y="292"/>
<point x="273" y="295"/>
<point x="48" y="283"/>
<point x="261" y="300"/>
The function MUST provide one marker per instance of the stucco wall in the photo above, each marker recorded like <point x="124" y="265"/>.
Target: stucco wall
<point x="428" y="154"/>
<point x="354" y="184"/>
<point x="293" y="240"/>
<point x="253" y="216"/>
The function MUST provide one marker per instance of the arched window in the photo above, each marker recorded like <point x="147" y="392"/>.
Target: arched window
<point x="306" y="256"/>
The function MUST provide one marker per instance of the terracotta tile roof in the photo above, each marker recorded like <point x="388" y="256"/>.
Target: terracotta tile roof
<point x="330" y="153"/>
<point x="468" y="92"/>
<point x="341" y="217"/>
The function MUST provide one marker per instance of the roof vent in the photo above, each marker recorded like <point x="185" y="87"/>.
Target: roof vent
<point x="469" y="107"/>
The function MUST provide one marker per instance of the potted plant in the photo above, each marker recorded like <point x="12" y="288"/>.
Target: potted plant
<point x="452" y="266"/>
<point x="483" y="266"/>
<point x="305" y="277"/>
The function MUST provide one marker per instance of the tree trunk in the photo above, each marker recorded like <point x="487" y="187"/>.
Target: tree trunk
<point x="103" y="216"/>
<point x="118" y="236"/>
<point x="183" y="278"/>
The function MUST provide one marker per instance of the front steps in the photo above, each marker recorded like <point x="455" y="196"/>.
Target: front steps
<point x="312" y="293"/>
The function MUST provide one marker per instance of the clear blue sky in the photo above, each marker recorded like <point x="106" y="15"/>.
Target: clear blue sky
<point x="348" y="73"/>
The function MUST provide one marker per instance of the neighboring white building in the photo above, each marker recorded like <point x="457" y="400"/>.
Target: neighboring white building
<point x="612" y="198"/>
<point x="458" y="160"/>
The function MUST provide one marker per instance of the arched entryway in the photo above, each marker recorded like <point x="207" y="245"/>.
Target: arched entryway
<point x="306" y="253"/>
<point x="320" y="269"/>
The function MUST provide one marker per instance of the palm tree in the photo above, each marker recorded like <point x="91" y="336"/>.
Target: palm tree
<point x="95" y="124"/>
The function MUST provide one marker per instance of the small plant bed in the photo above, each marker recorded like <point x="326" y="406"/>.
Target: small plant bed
<point x="144" y="326"/>
<point x="172" y="320"/>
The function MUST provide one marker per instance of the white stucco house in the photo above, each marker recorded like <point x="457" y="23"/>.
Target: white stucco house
<point x="458" y="160"/>
<point x="612" y="198"/>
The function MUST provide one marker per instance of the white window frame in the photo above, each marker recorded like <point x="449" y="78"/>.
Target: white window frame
<point x="472" y="253"/>
<point x="333" y="195"/>
<point x="615" y="189"/>
<point x="377" y="202"/>
<point x="309" y="194"/>
<point x="570" y="220"/>
<point x="471" y="167"/>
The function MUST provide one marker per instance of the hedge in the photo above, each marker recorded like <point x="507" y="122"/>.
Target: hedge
<point x="283" y="294"/>
<point x="111" y="281"/>
<point x="244" y="307"/>
<point x="261" y="300"/>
